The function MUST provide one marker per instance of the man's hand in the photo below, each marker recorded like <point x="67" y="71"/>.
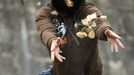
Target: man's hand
<point x="55" y="50"/>
<point x="114" y="39"/>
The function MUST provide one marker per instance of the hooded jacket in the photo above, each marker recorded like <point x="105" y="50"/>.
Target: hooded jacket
<point x="82" y="58"/>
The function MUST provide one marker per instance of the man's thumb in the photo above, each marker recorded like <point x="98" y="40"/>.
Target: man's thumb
<point x="52" y="56"/>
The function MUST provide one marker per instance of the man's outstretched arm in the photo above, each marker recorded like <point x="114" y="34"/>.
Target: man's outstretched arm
<point x="104" y="31"/>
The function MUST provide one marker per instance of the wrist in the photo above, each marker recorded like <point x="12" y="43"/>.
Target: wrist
<point x="51" y="41"/>
<point x="106" y="32"/>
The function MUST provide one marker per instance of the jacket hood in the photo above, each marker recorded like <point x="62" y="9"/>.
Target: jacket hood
<point x="61" y="6"/>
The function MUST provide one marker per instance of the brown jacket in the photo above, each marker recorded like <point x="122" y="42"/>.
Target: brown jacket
<point x="82" y="58"/>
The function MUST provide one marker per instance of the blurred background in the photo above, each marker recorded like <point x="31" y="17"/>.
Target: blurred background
<point x="22" y="53"/>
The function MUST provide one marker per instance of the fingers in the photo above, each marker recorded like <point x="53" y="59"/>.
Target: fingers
<point x="53" y="53"/>
<point x="111" y="34"/>
<point x="60" y="51"/>
<point x="52" y="56"/>
<point x="55" y="44"/>
<point x="120" y="44"/>
<point x="114" y="46"/>
<point x="55" y="50"/>
<point x="116" y="36"/>
<point x="56" y="54"/>
<point x="59" y="57"/>
<point x="114" y="39"/>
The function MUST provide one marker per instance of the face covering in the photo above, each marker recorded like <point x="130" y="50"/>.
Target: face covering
<point x="67" y="6"/>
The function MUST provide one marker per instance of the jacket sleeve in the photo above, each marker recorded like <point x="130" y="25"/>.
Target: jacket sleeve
<point x="45" y="26"/>
<point x="102" y="25"/>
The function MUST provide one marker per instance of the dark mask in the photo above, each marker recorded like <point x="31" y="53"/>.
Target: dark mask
<point x="61" y="6"/>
